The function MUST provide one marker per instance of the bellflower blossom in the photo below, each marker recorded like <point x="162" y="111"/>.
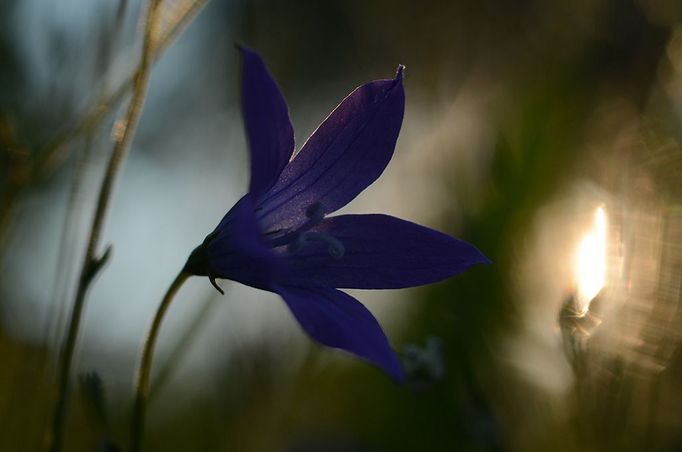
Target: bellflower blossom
<point x="279" y="237"/>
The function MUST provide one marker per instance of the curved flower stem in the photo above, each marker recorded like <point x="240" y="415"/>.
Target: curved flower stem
<point x="180" y="349"/>
<point x="92" y="263"/>
<point x="144" y="372"/>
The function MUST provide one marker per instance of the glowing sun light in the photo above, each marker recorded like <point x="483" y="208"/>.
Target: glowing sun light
<point x="590" y="269"/>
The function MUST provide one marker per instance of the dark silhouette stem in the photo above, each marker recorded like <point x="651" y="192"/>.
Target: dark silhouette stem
<point x="181" y="348"/>
<point x="93" y="263"/>
<point x="144" y="371"/>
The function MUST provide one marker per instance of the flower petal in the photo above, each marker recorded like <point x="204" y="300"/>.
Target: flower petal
<point x="380" y="252"/>
<point x="266" y="119"/>
<point x="336" y="319"/>
<point x="347" y="152"/>
<point x="236" y="251"/>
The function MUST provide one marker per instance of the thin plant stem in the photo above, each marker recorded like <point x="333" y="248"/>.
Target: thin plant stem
<point x="107" y="42"/>
<point x="144" y="371"/>
<point x="182" y="347"/>
<point x="51" y="156"/>
<point x="53" y="152"/>
<point x="66" y="252"/>
<point x="92" y="263"/>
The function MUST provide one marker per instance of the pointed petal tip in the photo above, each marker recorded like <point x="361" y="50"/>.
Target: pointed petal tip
<point x="390" y="365"/>
<point x="477" y="257"/>
<point x="247" y="52"/>
<point x="396" y="373"/>
<point x="483" y="259"/>
<point x="400" y="71"/>
<point x="244" y="49"/>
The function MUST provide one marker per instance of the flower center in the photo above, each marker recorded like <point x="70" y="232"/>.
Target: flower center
<point x="298" y="238"/>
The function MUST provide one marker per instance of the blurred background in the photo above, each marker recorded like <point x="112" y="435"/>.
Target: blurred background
<point x="545" y="133"/>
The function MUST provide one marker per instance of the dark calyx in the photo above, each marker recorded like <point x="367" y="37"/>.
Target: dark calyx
<point x="197" y="264"/>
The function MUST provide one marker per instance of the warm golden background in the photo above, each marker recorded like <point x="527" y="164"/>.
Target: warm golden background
<point x="523" y="119"/>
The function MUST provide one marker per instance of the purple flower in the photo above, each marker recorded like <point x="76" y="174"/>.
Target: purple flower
<point x="279" y="237"/>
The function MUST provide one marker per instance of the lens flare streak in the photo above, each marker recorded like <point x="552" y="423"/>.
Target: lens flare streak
<point x="590" y="268"/>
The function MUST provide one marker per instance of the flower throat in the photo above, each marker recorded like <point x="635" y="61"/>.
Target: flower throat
<point x="297" y="239"/>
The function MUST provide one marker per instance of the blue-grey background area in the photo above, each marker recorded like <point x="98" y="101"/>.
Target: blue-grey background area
<point x="521" y="118"/>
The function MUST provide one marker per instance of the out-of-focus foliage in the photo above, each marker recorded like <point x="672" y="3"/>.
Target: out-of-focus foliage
<point x="518" y="115"/>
